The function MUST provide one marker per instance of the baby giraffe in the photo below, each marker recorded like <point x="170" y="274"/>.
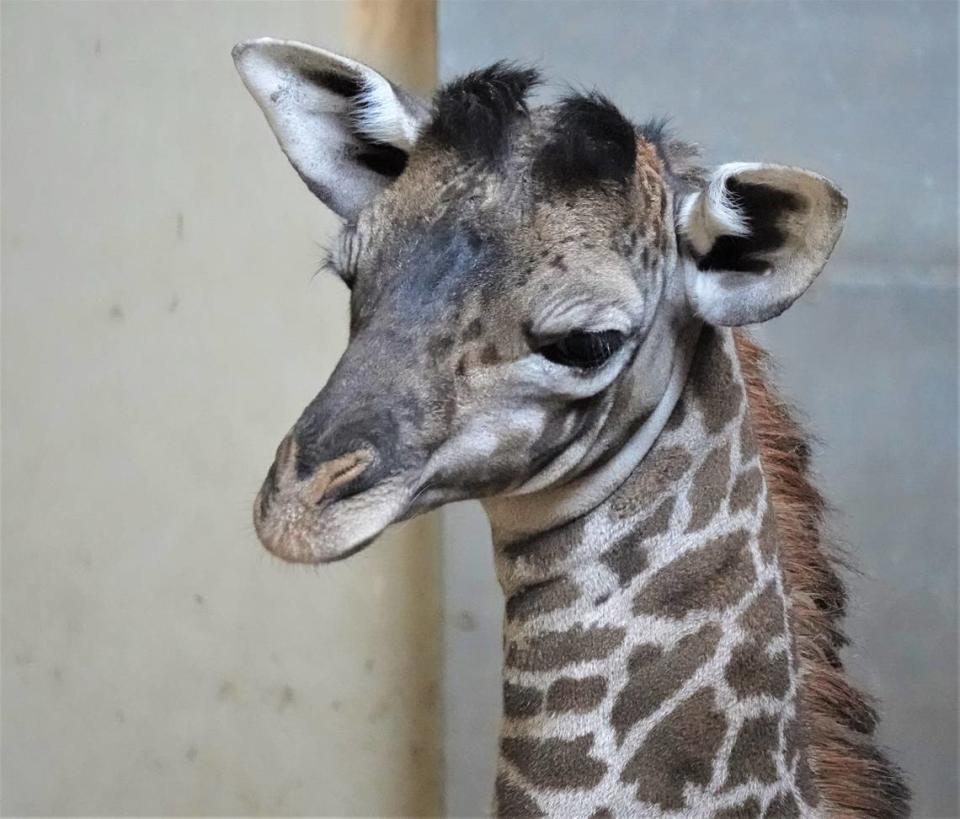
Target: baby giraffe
<point x="542" y="304"/>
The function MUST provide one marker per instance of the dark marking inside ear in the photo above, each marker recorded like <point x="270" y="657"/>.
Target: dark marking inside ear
<point x="764" y="207"/>
<point x="592" y="144"/>
<point x="335" y="82"/>
<point x="386" y="160"/>
<point x="473" y="113"/>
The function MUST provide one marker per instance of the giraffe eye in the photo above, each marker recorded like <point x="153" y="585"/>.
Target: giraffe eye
<point x="582" y="349"/>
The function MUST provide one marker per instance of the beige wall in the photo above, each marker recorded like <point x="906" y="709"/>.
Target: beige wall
<point x="161" y="331"/>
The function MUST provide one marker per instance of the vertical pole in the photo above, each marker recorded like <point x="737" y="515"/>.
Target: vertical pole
<point x="399" y="39"/>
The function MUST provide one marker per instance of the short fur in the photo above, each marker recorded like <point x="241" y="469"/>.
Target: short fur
<point x="591" y="143"/>
<point x="853" y="776"/>
<point x="472" y="114"/>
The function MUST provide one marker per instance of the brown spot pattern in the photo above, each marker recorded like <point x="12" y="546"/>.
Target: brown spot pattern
<point x="677" y="417"/>
<point x="513" y="801"/>
<point x="657" y="473"/>
<point x="541" y="598"/>
<point x="746" y="489"/>
<point x="754" y="753"/>
<point x="783" y="806"/>
<point x="627" y="558"/>
<point x="714" y="576"/>
<point x="748" y="810"/>
<point x="711" y="375"/>
<point x="752" y="671"/>
<point x="655" y="675"/>
<point x="556" y="649"/>
<point x="547" y="548"/>
<point x="709" y="487"/>
<point x="520" y="701"/>
<point x="767" y="536"/>
<point x="490" y="355"/>
<point x="748" y="441"/>
<point x="765" y="615"/>
<point x="572" y="694"/>
<point x="678" y="750"/>
<point x="555" y="763"/>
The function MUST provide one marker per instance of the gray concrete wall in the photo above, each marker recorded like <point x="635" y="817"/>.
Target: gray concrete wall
<point x="161" y="330"/>
<point x="865" y="93"/>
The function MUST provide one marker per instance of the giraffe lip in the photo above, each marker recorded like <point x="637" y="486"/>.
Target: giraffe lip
<point x="299" y="530"/>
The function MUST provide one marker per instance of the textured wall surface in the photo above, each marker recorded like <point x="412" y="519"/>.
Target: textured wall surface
<point x="161" y="332"/>
<point x="866" y="93"/>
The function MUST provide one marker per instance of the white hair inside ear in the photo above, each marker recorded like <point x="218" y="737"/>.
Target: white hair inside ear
<point x="379" y="114"/>
<point x="345" y="128"/>
<point x="755" y="237"/>
<point x="714" y="212"/>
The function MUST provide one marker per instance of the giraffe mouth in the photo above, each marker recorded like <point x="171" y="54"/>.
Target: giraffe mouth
<point x="319" y="519"/>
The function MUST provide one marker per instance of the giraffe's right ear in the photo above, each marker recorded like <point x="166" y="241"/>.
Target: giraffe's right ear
<point x="757" y="236"/>
<point x="344" y="127"/>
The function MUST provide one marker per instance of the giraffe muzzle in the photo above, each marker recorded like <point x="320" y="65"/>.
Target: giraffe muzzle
<point x="317" y="518"/>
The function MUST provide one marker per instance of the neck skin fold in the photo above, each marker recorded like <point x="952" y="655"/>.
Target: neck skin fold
<point x="648" y="659"/>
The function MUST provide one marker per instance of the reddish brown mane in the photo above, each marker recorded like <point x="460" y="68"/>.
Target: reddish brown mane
<point x="853" y="776"/>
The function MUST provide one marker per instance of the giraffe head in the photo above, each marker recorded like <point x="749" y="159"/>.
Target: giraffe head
<point x="521" y="281"/>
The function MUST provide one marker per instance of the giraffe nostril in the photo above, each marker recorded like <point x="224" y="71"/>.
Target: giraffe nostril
<point x="334" y="474"/>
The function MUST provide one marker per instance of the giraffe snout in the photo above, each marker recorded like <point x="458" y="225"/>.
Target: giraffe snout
<point x="287" y="507"/>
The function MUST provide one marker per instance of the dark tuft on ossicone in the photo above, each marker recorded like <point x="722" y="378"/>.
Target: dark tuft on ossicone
<point x="473" y="114"/>
<point x="592" y="144"/>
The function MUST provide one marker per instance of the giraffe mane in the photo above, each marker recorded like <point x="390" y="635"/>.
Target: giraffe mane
<point x="853" y="775"/>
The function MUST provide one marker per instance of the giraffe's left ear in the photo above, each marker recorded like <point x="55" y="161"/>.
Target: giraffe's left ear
<point x="756" y="237"/>
<point x="345" y="128"/>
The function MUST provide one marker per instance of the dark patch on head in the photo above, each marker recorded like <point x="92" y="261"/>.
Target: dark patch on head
<point x="575" y="694"/>
<point x="764" y="208"/>
<point x="473" y="114"/>
<point x="557" y="649"/>
<point x="748" y="810"/>
<point x="679" y="749"/>
<point x="514" y="802"/>
<point x="591" y="144"/>
<point x="521" y="701"/>
<point x="754" y="752"/>
<point x="555" y="763"/>
<point x="541" y="598"/>
<point x="709" y="488"/>
<point x="656" y="674"/>
<point x="602" y="813"/>
<point x="713" y="576"/>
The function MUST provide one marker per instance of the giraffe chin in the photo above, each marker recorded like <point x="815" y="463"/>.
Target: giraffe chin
<point x="299" y="532"/>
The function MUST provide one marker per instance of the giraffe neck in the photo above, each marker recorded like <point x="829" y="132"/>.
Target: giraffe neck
<point x="649" y="663"/>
